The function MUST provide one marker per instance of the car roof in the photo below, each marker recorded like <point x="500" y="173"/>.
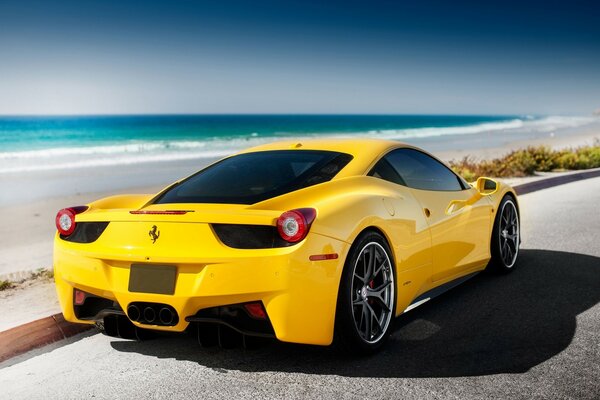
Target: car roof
<point x="363" y="150"/>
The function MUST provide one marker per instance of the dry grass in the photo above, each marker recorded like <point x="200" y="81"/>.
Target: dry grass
<point x="527" y="161"/>
<point x="4" y="285"/>
<point x="40" y="275"/>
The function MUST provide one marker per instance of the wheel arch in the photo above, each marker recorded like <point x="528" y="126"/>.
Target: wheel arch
<point x="504" y="191"/>
<point x="511" y="193"/>
<point x="376" y="229"/>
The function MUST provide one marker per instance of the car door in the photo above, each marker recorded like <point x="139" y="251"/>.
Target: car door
<point x="414" y="247"/>
<point x="459" y="235"/>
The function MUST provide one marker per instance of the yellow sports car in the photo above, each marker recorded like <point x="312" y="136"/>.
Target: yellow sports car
<point x="313" y="242"/>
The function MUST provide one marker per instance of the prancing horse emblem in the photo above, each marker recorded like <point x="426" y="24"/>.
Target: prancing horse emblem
<point x="154" y="233"/>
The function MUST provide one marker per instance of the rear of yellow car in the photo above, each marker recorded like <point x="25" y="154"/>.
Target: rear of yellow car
<point x="164" y="264"/>
<point x="189" y="268"/>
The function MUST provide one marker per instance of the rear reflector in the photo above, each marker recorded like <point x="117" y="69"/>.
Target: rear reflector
<point x="79" y="297"/>
<point x="256" y="310"/>
<point x="321" y="257"/>
<point x="165" y="212"/>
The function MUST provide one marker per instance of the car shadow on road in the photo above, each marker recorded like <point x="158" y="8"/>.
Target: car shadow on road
<point x="489" y="325"/>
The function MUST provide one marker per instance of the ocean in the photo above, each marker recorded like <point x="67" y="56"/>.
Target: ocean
<point x="29" y="144"/>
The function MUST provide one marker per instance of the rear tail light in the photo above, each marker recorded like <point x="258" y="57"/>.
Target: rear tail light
<point x="65" y="219"/>
<point x="293" y="226"/>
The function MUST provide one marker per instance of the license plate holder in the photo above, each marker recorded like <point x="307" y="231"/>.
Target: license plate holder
<point x="157" y="279"/>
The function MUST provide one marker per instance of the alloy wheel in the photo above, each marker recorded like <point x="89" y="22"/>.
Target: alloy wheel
<point x="372" y="292"/>
<point x="509" y="234"/>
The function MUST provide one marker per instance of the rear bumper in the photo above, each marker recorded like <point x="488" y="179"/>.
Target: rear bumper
<point x="299" y="295"/>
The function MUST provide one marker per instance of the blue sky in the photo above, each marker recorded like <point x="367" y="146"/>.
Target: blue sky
<point x="483" y="57"/>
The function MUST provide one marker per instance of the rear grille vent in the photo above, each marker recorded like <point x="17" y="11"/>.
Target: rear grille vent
<point x="249" y="236"/>
<point x="86" y="232"/>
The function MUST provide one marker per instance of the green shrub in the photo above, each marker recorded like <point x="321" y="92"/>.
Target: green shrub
<point x="527" y="161"/>
<point x="567" y="161"/>
<point x="592" y="154"/>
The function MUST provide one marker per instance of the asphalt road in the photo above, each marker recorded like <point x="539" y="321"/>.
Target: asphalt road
<point x="534" y="333"/>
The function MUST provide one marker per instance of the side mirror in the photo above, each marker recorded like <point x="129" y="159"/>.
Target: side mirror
<point x="486" y="186"/>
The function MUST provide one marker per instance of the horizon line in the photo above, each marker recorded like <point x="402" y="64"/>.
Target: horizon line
<point x="35" y="115"/>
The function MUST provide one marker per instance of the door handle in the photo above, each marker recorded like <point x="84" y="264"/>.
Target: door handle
<point x="427" y="212"/>
<point x="455" y="206"/>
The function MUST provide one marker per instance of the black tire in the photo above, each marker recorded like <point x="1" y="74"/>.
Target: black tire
<point x="506" y="237"/>
<point x="367" y="296"/>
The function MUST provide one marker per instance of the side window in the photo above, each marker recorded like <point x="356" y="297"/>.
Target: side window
<point x="383" y="170"/>
<point x="417" y="170"/>
<point x="421" y="171"/>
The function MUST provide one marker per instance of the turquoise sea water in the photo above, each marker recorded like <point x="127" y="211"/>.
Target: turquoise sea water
<point x="40" y="143"/>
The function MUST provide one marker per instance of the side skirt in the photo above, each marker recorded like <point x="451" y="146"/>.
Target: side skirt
<point x="425" y="297"/>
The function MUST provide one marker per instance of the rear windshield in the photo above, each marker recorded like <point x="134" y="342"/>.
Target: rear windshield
<point x="253" y="177"/>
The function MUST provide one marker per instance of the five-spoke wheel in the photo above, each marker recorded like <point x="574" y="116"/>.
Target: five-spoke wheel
<point x="367" y="298"/>
<point x="373" y="292"/>
<point x="505" y="236"/>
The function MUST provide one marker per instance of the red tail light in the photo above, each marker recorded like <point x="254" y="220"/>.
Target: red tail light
<point x="293" y="226"/>
<point x="65" y="219"/>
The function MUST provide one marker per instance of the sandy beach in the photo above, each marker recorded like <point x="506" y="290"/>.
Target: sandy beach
<point x="30" y="200"/>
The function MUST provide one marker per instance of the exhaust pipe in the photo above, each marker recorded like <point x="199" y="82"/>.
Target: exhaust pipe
<point x="149" y="314"/>
<point x="133" y="312"/>
<point x="152" y="313"/>
<point x="165" y="316"/>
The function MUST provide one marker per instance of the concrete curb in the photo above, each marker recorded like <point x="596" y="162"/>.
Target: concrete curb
<point x="42" y="332"/>
<point x="45" y="331"/>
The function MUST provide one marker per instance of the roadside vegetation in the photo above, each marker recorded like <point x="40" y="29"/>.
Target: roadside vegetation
<point x="40" y="275"/>
<point x="527" y="161"/>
